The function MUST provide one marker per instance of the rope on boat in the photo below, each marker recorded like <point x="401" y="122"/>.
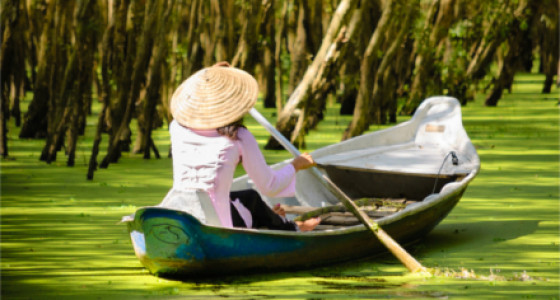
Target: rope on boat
<point x="454" y="160"/>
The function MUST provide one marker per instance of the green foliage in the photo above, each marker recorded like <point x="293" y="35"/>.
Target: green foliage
<point x="461" y="30"/>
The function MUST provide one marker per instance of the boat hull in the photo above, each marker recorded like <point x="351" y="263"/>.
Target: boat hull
<point x="171" y="243"/>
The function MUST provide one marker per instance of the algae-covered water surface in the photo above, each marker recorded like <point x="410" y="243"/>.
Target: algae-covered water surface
<point x="60" y="237"/>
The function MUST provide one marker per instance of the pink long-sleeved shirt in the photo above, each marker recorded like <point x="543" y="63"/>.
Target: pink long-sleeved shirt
<point x="206" y="160"/>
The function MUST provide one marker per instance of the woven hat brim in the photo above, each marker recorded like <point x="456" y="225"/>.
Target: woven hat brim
<point x="214" y="97"/>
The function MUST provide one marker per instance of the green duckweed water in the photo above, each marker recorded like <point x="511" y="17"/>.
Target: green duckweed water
<point x="60" y="237"/>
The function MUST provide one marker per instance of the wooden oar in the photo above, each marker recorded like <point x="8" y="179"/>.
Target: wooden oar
<point x="410" y="262"/>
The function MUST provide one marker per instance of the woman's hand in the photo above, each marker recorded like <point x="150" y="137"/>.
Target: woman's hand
<point x="279" y="210"/>
<point x="304" y="161"/>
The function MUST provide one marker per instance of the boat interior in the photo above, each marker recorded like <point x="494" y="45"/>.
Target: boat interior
<point x="379" y="194"/>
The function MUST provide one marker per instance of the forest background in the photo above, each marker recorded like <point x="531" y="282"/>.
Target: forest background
<point x="378" y="58"/>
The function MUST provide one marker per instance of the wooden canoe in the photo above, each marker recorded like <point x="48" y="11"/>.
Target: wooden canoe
<point x="426" y="162"/>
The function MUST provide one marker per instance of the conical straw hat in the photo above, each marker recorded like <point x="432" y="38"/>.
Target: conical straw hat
<point x="214" y="97"/>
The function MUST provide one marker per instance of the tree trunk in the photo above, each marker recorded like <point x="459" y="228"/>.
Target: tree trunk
<point x="549" y="46"/>
<point x="383" y="95"/>
<point x="13" y="57"/>
<point x="350" y="69"/>
<point x="269" y="52"/>
<point x="487" y="45"/>
<point x="141" y="64"/>
<point x="210" y="35"/>
<point x="558" y="77"/>
<point x="325" y="82"/>
<point x="60" y="119"/>
<point x="142" y="58"/>
<point x="313" y="24"/>
<point x="285" y="122"/>
<point x="511" y="63"/>
<point x="65" y="62"/>
<point x="9" y="11"/>
<point x="117" y="63"/>
<point x="3" y="128"/>
<point x="245" y="57"/>
<point x="171" y="68"/>
<point x="279" y="38"/>
<point x="122" y="109"/>
<point x="361" y="111"/>
<point x="225" y="47"/>
<point x="86" y="44"/>
<point x="439" y="20"/>
<point x="154" y="87"/>
<point x="299" y="54"/>
<point x="485" y="52"/>
<point x="36" y="20"/>
<point x="196" y="55"/>
<point x="35" y="120"/>
<point x="104" y="121"/>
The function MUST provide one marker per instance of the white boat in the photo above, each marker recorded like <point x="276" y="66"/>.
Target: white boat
<point x="424" y="164"/>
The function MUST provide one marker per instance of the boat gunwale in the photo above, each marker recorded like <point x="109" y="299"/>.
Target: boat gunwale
<point x="418" y="174"/>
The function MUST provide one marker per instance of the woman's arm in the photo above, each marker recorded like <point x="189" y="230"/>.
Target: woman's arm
<point x="272" y="183"/>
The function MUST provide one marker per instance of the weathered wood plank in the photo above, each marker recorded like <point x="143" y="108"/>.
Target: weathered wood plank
<point x="336" y="216"/>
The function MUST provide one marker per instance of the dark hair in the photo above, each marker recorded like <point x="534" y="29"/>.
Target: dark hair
<point x="231" y="129"/>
